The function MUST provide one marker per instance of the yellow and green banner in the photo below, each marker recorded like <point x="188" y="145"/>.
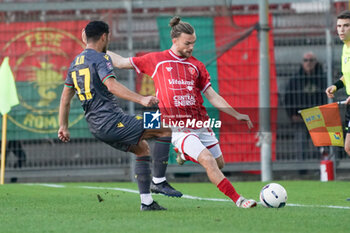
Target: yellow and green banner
<point x="40" y="54"/>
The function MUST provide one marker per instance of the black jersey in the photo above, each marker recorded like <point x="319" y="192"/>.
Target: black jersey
<point x="86" y="75"/>
<point x="106" y="120"/>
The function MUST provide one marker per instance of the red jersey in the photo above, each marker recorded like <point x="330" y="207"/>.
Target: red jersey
<point x="178" y="83"/>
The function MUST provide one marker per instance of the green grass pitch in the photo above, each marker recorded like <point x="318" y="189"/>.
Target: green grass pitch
<point x="96" y="207"/>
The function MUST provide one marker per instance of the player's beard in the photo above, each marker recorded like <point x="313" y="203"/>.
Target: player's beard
<point x="104" y="49"/>
<point x="186" y="54"/>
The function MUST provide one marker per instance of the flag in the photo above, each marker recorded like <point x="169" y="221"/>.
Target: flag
<point x="324" y="125"/>
<point x="8" y="92"/>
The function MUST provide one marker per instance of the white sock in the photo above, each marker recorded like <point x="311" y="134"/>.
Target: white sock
<point x="146" y="198"/>
<point x="158" y="180"/>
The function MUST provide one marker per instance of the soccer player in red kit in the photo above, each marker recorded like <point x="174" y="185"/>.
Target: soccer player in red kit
<point x="179" y="80"/>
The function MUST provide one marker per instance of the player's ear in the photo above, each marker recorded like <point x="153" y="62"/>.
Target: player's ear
<point x="174" y="40"/>
<point x="105" y="36"/>
<point x="83" y="36"/>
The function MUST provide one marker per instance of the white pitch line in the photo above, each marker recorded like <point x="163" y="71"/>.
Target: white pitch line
<point x="203" y="198"/>
<point x="321" y="206"/>
<point x="117" y="189"/>
<point x="48" y="185"/>
<point x="187" y="196"/>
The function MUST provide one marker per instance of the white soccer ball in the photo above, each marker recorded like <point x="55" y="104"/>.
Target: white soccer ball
<point x="273" y="195"/>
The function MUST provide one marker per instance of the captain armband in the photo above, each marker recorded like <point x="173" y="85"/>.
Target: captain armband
<point x="339" y="84"/>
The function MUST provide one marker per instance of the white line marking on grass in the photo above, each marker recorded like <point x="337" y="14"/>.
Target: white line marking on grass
<point x="118" y="189"/>
<point x="203" y="198"/>
<point x="137" y="192"/>
<point x="214" y="199"/>
<point x="48" y="185"/>
<point x="321" y="206"/>
<point x="188" y="196"/>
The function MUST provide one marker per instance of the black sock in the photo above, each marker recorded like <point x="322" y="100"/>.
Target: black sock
<point x="160" y="156"/>
<point x="143" y="174"/>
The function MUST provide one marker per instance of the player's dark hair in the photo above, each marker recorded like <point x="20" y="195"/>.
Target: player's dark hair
<point x="95" y="29"/>
<point x="178" y="27"/>
<point x="344" y="15"/>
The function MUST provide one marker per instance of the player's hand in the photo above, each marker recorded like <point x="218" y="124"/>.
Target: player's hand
<point x="330" y="91"/>
<point x="63" y="134"/>
<point x="149" y="101"/>
<point x="244" y="117"/>
<point x="83" y="36"/>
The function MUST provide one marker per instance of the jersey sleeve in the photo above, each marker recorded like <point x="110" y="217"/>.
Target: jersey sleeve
<point x="143" y="64"/>
<point x="69" y="81"/>
<point x="204" y="78"/>
<point x="105" y="68"/>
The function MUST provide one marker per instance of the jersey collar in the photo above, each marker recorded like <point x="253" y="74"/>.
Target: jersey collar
<point x="175" y="56"/>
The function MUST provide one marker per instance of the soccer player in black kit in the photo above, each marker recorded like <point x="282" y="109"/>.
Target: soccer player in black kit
<point x="92" y="79"/>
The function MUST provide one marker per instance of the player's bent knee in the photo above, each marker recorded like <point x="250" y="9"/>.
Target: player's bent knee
<point x="221" y="163"/>
<point x="206" y="159"/>
<point x="141" y="149"/>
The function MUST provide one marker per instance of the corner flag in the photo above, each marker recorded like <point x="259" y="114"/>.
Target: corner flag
<point x="8" y="92"/>
<point x="8" y="99"/>
<point x="324" y="125"/>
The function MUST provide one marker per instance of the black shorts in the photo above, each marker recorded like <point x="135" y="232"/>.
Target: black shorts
<point x="121" y="132"/>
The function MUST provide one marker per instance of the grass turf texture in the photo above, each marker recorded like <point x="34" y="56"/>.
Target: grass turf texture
<point x="35" y="208"/>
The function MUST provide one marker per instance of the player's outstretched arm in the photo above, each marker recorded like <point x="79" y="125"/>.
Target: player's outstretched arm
<point x="121" y="91"/>
<point x="220" y="103"/>
<point x="66" y="97"/>
<point x="119" y="61"/>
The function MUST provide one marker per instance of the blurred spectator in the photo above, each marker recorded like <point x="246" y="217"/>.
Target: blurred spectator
<point x="305" y="90"/>
<point x="16" y="148"/>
